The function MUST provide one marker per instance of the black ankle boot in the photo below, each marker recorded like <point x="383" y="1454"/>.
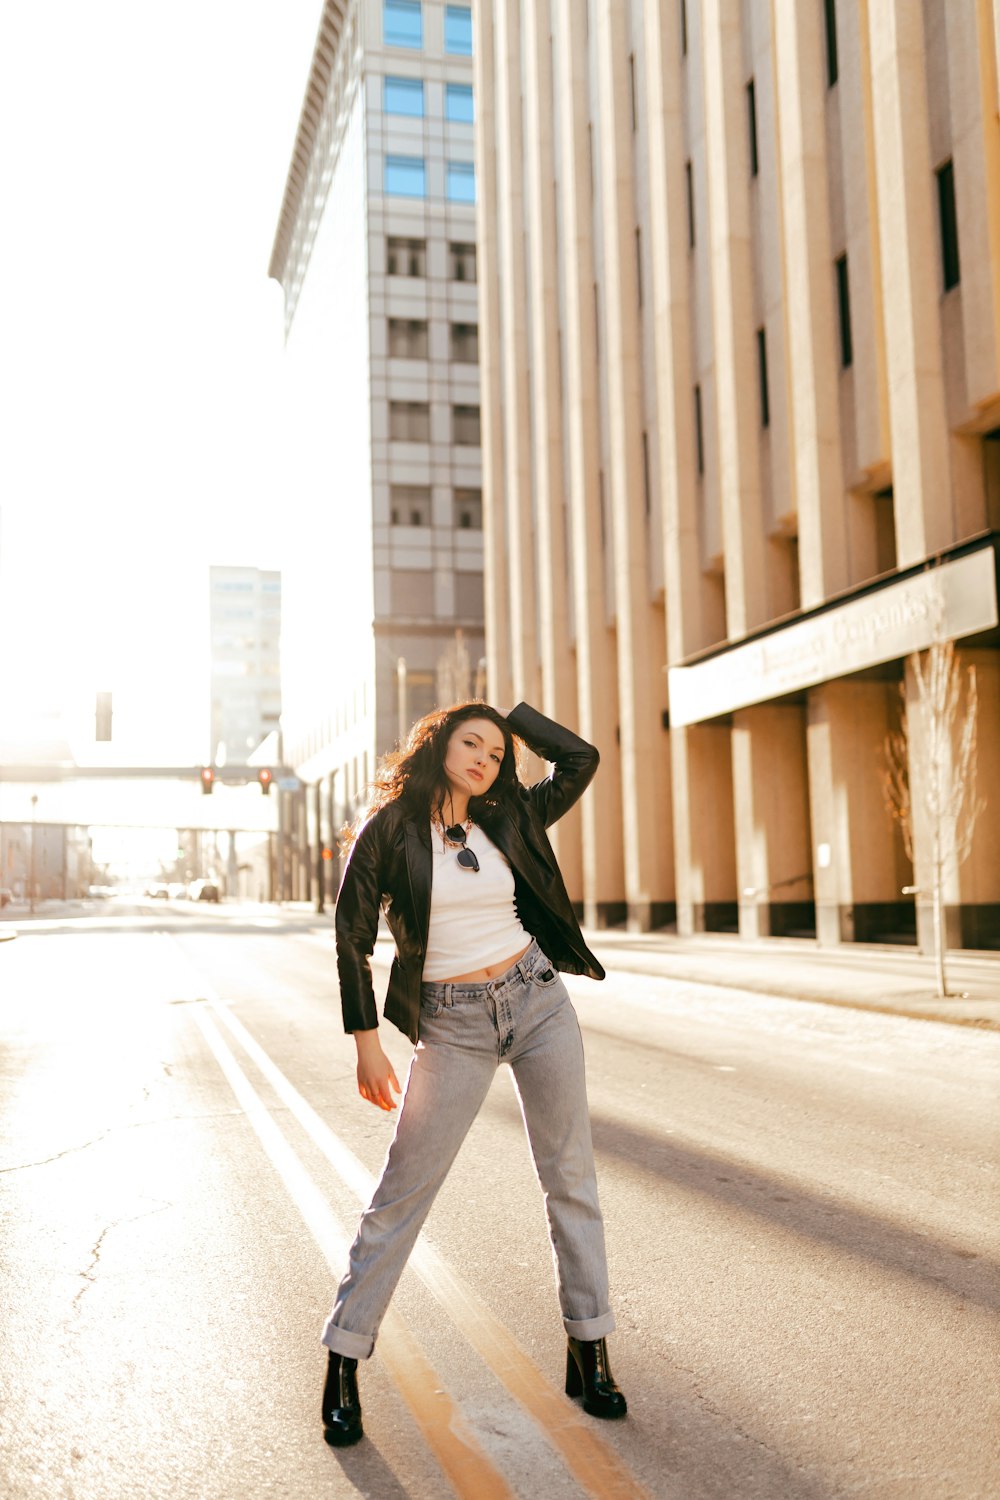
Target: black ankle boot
<point x="588" y="1374"/>
<point x="341" y="1405"/>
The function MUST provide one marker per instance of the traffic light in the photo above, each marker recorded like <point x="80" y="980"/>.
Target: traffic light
<point x="265" y="777"/>
<point x="207" y="780"/>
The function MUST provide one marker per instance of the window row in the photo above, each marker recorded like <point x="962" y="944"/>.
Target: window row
<point x="403" y="26"/>
<point x="413" y="592"/>
<point x="408" y="257"/>
<point x="408" y="339"/>
<point x="406" y="177"/>
<point x="410" y="505"/>
<point x="405" y="96"/>
<point x="410" y="422"/>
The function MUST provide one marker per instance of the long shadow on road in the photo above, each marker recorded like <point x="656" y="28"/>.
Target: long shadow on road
<point x="786" y="1205"/>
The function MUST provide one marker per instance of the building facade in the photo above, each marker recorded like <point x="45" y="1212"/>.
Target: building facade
<point x="740" y="361"/>
<point x="375" y="251"/>
<point x="245" y="625"/>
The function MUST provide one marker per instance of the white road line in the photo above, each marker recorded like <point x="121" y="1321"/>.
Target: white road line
<point x="595" y="1466"/>
<point x="449" y="1437"/>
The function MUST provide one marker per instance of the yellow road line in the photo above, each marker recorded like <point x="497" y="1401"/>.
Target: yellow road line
<point x="445" y="1430"/>
<point x="595" y="1465"/>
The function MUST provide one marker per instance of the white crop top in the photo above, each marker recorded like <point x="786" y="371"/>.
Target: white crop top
<point x="473" y="921"/>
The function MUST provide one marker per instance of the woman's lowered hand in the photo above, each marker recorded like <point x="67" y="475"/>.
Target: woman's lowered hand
<point x="375" y="1071"/>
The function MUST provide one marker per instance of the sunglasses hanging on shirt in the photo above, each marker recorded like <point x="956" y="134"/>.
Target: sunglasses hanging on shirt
<point x="456" y="834"/>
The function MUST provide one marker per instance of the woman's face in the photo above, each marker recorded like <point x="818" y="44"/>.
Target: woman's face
<point x="475" y="751"/>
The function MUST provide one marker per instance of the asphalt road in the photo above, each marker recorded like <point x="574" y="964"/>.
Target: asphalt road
<point x="801" y="1206"/>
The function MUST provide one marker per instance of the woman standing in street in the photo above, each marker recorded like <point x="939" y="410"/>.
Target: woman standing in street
<point x="454" y="851"/>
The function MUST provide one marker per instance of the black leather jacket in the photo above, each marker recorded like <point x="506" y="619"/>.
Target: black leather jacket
<point x="391" y="867"/>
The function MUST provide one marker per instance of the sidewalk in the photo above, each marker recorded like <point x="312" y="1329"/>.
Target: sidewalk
<point x="897" y="981"/>
<point x="880" y="977"/>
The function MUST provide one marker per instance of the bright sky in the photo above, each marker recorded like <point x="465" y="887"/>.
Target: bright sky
<point x="145" y="155"/>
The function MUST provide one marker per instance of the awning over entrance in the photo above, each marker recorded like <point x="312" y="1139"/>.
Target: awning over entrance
<point x="955" y="597"/>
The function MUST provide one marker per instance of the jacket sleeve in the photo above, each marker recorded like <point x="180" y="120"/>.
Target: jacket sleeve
<point x="575" y="762"/>
<point x="356" y="927"/>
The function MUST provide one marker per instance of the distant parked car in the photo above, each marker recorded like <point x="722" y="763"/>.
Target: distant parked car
<point x="157" y="892"/>
<point x="6" y="897"/>
<point x="203" y="890"/>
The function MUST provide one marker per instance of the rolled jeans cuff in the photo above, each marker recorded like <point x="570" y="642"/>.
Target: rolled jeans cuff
<point x="350" y="1345"/>
<point x="590" y="1329"/>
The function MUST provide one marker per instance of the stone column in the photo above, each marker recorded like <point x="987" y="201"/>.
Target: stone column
<point x="559" y="696"/>
<point x="743" y="517"/>
<point x="701" y="758"/>
<point x="859" y="863"/>
<point x="975" y="881"/>
<point x="690" y="622"/>
<point x="641" y="688"/>
<point x="522" y="582"/>
<point x="911" y="288"/>
<point x="771" y="796"/>
<point x="979" y="876"/>
<point x="597" y="686"/>
<point x="810" y="315"/>
<point x="975" y="130"/>
<point x="499" y="688"/>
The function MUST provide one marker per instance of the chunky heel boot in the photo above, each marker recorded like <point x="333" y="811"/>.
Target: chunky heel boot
<point x="341" y="1405"/>
<point x="588" y="1374"/>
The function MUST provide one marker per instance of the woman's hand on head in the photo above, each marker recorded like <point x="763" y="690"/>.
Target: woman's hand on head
<point x="375" y="1072"/>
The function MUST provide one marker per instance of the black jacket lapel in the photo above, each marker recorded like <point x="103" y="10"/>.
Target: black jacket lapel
<point x="419" y="869"/>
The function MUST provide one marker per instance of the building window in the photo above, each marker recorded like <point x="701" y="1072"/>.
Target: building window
<point x="403" y="96"/>
<point x="465" y="343"/>
<point x="410" y="421"/>
<point x="469" y="510"/>
<point x="460" y="182"/>
<point x="765" y="403"/>
<point x="402" y="23"/>
<point x="458" y="107"/>
<point x="412" y="591"/>
<point x="844" y="310"/>
<point x="631" y="90"/>
<point x="949" y="224"/>
<point x="699" y="435"/>
<point x="684" y="28"/>
<point x="462" y="258"/>
<point x="407" y="338"/>
<point x="405" y="257"/>
<point x="458" y="30"/>
<point x="638" y="265"/>
<point x="885" y="531"/>
<point x="689" y="176"/>
<point x="752" y="126"/>
<point x="410" y="504"/>
<point x="991" y="477"/>
<point x="465" y="426"/>
<point x="469" y="596"/>
<point x="832" y="64"/>
<point x="405" y="177"/>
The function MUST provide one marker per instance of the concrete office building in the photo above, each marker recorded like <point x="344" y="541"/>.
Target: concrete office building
<point x="375" y="250"/>
<point x="245" y="625"/>
<point x="740" y="355"/>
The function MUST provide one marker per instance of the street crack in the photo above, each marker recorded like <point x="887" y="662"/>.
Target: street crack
<point x="89" y="1274"/>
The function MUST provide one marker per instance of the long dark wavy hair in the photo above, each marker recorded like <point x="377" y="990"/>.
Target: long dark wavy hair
<point x="413" y="774"/>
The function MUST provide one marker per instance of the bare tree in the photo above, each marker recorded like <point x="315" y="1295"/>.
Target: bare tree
<point x="930" y="773"/>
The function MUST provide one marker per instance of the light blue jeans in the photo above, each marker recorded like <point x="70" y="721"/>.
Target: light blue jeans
<point x="525" y="1019"/>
